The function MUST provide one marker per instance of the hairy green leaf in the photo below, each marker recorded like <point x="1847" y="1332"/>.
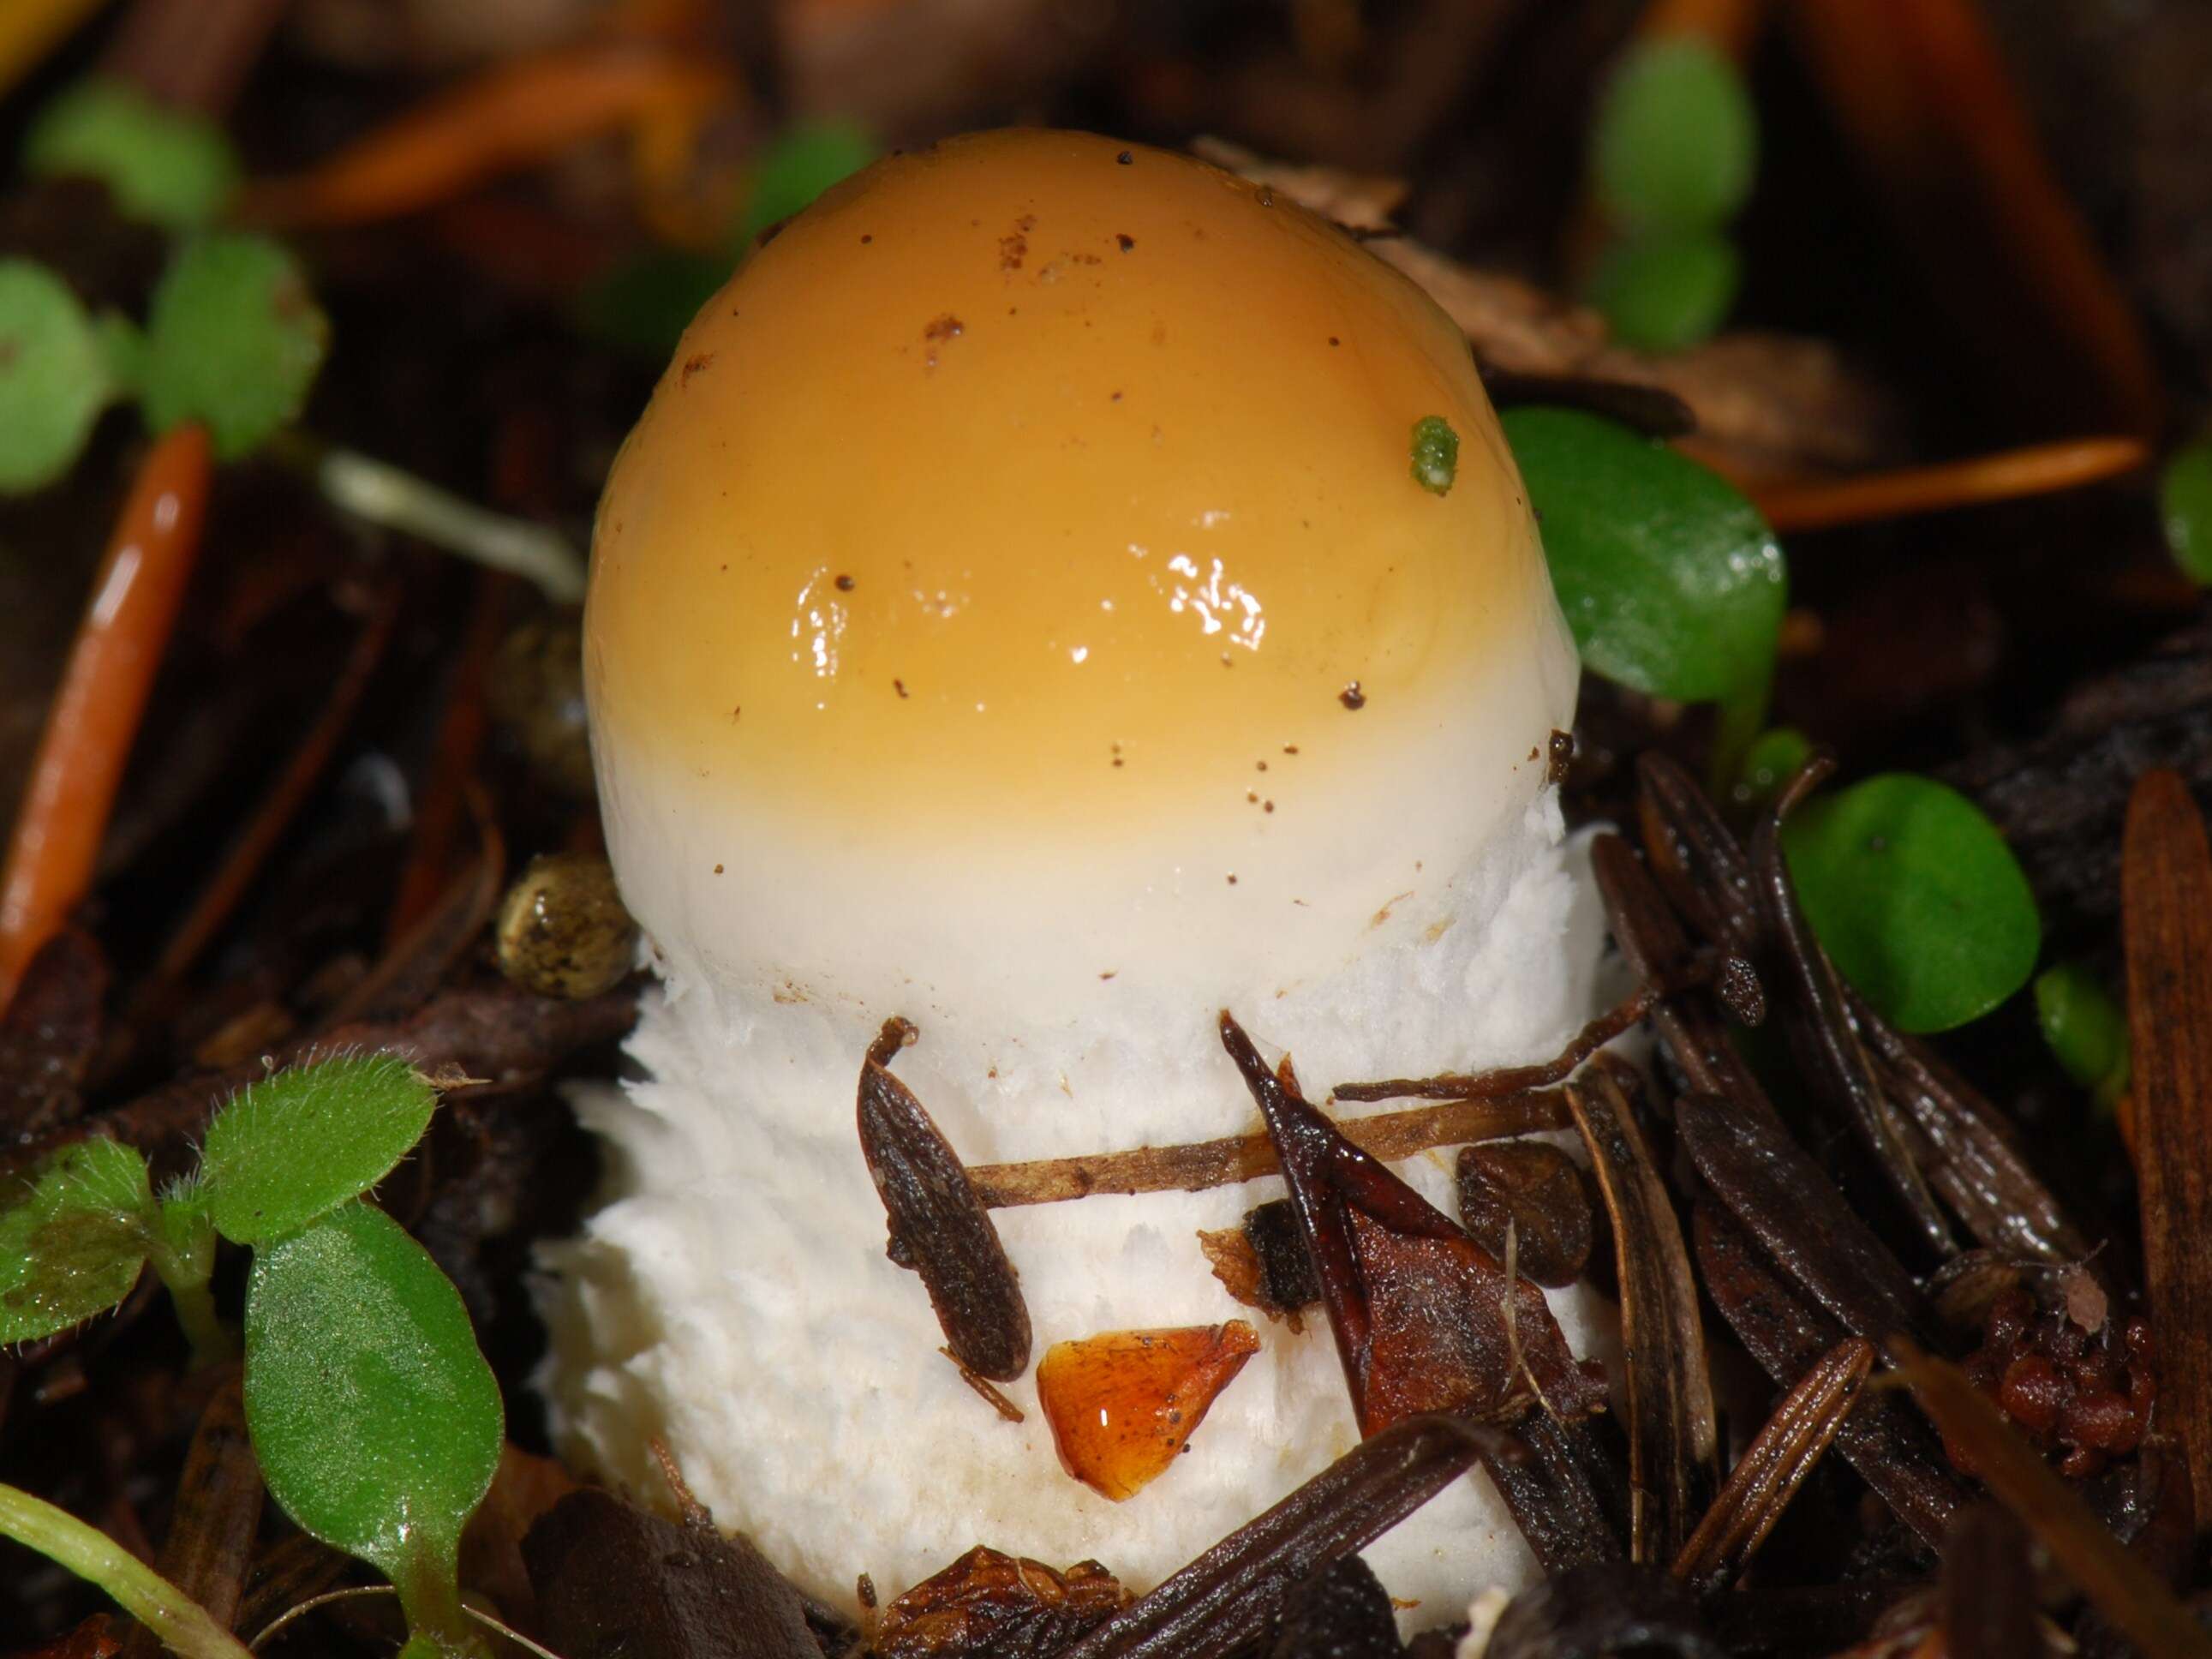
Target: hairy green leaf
<point x="72" y="1239"/>
<point x="158" y="164"/>
<point x="54" y="376"/>
<point x="1672" y="582"/>
<point x="297" y="1144"/>
<point x="1665" y="290"/>
<point x="234" y="340"/>
<point x="377" y="1422"/>
<point x="1915" y="897"/>
<point x="1676" y="144"/>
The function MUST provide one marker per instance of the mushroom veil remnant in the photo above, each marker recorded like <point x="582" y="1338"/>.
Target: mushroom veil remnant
<point x="1041" y="604"/>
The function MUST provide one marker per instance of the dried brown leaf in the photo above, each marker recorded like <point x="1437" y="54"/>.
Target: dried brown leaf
<point x="990" y="1605"/>
<point x="1672" y="1443"/>
<point x="1767" y="1476"/>
<point x="1424" y="1318"/>
<point x="938" y="1224"/>
<point x="1534" y="1189"/>
<point x="1888" y="1444"/>
<point x="2166" y="897"/>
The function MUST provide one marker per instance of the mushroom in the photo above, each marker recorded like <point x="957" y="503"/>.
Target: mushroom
<point x="1040" y="603"/>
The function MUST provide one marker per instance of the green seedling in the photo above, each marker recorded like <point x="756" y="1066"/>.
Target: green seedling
<point x="1778" y="756"/>
<point x="181" y="1624"/>
<point x="1673" y="583"/>
<point x="2086" y="1028"/>
<point x="350" y="1324"/>
<point x="280" y="1154"/>
<point x="1673" y="156"/>
<point x="2184" y="499"/>
<point x="1665" y="290"/>
<point x="234" y="340"/>
<point x="1916" y="897"/>
<point x="646" y="304"/>
<point x="1675" y="145"/>
<point x="158" y="164"/>
<point x="377" y="1422"/>
<point x="57" y="372"/>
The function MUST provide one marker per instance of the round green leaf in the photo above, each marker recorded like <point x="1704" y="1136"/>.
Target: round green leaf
<point x="376" y="1419"/>
<point x="72" y="1240"/>
<point x="1916" y="897"/>
<point x="1771" y="760"/>
<point x="1672" y="582"/>
<point x="1676" y="142"/>
<point x="2185" y="501"/>
<point x="797" y="166"/>
<point x="54" y="377"/>
<point x="304" y="1141"/>
<point x="169" y="169"/>
<point x="2086" y="1028"/>
<point x="234" y="340"/>
<point x="1666" y="291"/>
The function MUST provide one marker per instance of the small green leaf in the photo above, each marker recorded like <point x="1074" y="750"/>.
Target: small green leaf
<point x="235" y="339"/>
<point x="158" y="164"/>
<point x="1676" y="144"/>
<point x="1915" y="897"/>
<point x="1771" y="760"/>
<point x="644" y="304"/>
<point x="301" y="1143"/>
<point x="377" y="1422"/>
<point x="54" y="377"/>
<point x="2184" y="496"/>
<point x="1666" y="291"/>
<point x="797" y="166"/>
<point x="1672" y="582"/>
<point x="72" y="1241"/>
<point x="1436" y="454"/>
<point x="2086" y="1028"/>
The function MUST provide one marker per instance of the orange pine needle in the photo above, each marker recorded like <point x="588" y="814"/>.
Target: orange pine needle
<point x="1923" y="93"/>
<point x="95" y="714"/>
<point x="1731" y="25"/>
<point x="512" y="116"/>
<point x="2039" y="470"/>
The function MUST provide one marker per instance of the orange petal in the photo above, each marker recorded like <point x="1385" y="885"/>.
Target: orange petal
<point x="1122" y="1404"/>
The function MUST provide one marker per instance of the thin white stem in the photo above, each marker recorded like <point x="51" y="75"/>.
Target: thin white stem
<point x="396" y="500"/>
<point x="182" y="1625"/>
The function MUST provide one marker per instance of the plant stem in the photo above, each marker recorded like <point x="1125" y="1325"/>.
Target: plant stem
<point x="181" y="1247"/>
<point x="183" y="1625"/>
<point x="384" y="495"/>
<point x="430" y="1597"/>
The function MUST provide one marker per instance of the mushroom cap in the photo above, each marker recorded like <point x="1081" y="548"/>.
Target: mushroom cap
<point x="1034" y="504"/>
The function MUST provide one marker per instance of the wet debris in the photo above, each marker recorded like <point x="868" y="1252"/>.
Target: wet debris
<point x="1568" y="1495"/>
<point x="1424" y="1318"/>
<point x="990" y="1605"/>
<point x="1533" y="1189"/>
<point x="1342" y="1612"/>
<point x="561" y="929"/>
<point x="938" y="1224"/>
<point x="1263" y="1262"/>
<point x="1592" y="1613"/>
<point x="48" y="1033"/>
<point x="1673" y="1440"/>
<point x="1231" y="1594"/>
<point x="1773" y="1467"/>
<point x="1889" y="1445"/>
<point x="2084" y="1394"/>
<point x="614" y="1581"/>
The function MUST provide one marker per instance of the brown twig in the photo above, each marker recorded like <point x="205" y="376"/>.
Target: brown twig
<point x="1202" y="1165"/>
